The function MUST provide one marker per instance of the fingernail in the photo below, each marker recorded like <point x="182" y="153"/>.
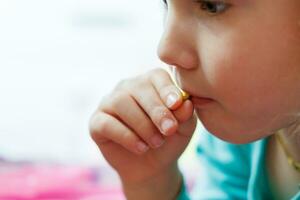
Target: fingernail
<point x="157" y="141"/>
<point x="171" y="99"/>
<point x="141" y="147"/>
<point x="166" y="125"/>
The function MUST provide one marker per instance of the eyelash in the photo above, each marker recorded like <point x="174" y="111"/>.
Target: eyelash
<point x="210" y="6"/>
<point x="213" y="7"/>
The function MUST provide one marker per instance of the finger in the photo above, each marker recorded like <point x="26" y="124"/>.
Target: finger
<point x="152" y="104"/>
<point x="131" y="114"/>
<point x="188" y="127"/>
<point x="105" y="128"/>
<point x="184" y="112"/>
<point x="168" y="91"/>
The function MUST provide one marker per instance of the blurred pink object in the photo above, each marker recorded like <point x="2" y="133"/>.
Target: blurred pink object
<point x="44" y="182"/>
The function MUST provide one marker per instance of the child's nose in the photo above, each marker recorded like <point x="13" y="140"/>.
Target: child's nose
<point x="178" y="44"/>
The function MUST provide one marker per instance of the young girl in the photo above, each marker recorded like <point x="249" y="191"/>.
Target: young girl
<point x="240" y="62"/>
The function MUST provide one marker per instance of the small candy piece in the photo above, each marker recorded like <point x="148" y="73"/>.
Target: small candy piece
<point x="184" y="95"/>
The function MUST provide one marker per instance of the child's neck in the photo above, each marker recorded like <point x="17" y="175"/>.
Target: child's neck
<point x="284" y="178"/>
<point x="291" y="137"/>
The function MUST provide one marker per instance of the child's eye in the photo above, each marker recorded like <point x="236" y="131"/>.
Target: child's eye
<point x="213" y="7"/>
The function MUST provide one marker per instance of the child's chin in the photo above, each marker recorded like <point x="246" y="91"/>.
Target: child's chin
<point x="240" y="140"/>
<point x="235" y="137"/>
<point x="234" y="133"/>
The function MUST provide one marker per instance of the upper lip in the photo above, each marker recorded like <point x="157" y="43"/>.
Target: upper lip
<point x="194" y="94"/>
<point x="190" y="91"/>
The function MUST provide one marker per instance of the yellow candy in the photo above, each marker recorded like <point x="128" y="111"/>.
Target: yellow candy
<point x="184" y="95"/>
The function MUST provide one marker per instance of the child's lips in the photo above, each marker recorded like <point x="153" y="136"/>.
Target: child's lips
<point x="197" y="99"/>
<point x="201" y="101"/>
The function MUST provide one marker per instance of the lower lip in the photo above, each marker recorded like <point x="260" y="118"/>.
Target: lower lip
<point x="201" y="102"/>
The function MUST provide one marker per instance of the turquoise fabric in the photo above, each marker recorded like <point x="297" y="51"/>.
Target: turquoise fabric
<point x="230" y="171"/>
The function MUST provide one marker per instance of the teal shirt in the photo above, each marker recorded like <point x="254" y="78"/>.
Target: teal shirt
<point x="230" y="171"/>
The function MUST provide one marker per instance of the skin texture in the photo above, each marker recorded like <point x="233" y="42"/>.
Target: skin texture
<point x="245" y="58"/>
<point x="131" y="115"/>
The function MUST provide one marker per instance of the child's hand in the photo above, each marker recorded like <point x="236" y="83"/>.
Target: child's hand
<point x="139" y="131"/>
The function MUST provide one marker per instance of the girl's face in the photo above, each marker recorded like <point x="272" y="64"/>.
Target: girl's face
<point x="244" y="55"/>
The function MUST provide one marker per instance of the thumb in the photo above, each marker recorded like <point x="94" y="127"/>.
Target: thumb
<point x="188" y="127"/>
<point x="186" y="118"/>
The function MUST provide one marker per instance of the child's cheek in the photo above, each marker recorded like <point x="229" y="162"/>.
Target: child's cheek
<point x="251" y="81"/>
<point x="232" y="70"/>
<point x="229" y="73"/>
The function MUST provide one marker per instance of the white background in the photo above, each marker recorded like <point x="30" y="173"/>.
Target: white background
<point x="57" y="59"/>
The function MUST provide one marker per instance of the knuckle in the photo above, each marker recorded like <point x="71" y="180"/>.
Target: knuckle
<point x="117" y="98"/>
<point x="126" y="138"/>
<point x="164" y="91"/>
<point x="143" y="125"/>
<point x="104" y="102"/>
<point x="103" y="125"/>
<point x="98" y="126"/>
<point x="110" y="102"/>
<point x="158" y="73"/>
<point x="159" y="112"/>
<point x="140" y="82"/>
<point x="128" y="84"/>
<point x="133" y="84"/>
<point x="145" y="129"/>
<point x="122" y="84"/>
